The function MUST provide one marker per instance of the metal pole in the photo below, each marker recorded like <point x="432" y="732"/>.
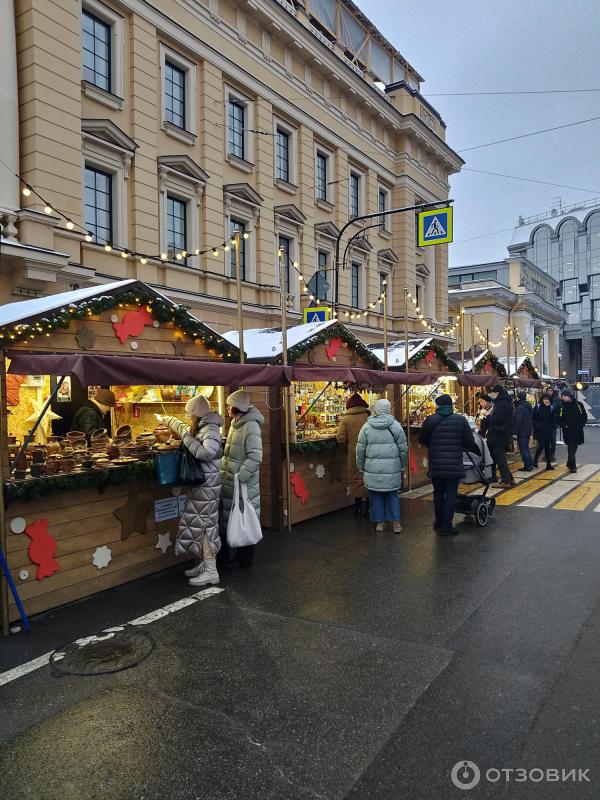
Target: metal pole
<point x="462" y="352"/>
<point x="286" y="393"/>
<point x="385" y="330"/>
<point x="508" y="345"/>
<point x="408" y="475"/>
<point x="4" y="472"/>
<point x="238" y="278"/>
<point x="515" y="331"/>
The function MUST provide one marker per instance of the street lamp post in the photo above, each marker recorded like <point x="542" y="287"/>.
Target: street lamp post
<point x="286" y="394"/>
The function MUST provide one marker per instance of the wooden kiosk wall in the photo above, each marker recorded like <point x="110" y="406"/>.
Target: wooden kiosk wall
<point x="82" y="520"/>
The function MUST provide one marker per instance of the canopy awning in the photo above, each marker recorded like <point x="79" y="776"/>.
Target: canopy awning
<point x="492" y="380"/>
<point x="97" y="369"/>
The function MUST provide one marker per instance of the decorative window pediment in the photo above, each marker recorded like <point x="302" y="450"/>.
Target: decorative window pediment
<point x="183" y="167"/>
<point x="108" y="133"/>
<point x="243" y="192"/>
<point x="290" y="212"/>
<point x="387" y="254"/>
<point x="327" y="229"/>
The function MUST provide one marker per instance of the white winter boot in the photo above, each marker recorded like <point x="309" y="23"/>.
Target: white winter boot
<point x="209" y="576"/>
<point x="197" y="569"/>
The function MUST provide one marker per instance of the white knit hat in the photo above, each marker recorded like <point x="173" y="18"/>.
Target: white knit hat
<point x="197" y="406"/>
<point x="383" y="406"/>
<point x="239" y="399"/>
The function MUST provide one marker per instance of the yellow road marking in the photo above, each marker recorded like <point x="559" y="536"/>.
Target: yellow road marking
<point x="552" y="474"/>
<point x="580" y="498"/>
<point x="519" y="492"/>
<point x="595" y="478"/>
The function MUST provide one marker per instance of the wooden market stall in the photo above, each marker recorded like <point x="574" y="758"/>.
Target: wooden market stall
<point x="79" y="518"/>
<point x="317" y="400"/>
<point x="417" y="400"/>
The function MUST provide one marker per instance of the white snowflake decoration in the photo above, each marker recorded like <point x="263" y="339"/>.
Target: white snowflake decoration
<point x="156" y="324"/>
<point x="134" y="345"/>
<point x="102" y="557"/>
<point x="18" y="525"/>
<point x="320" y="471"/>
<point x="114" y="318"/>
<point x="164" y="542"/>
<point x="23" y="574"/>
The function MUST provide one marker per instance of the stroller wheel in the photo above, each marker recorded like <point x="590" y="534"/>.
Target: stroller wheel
<point x="481" y="515"/>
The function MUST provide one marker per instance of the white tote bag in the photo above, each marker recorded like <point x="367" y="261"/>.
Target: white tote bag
<point x="243" y="527"/>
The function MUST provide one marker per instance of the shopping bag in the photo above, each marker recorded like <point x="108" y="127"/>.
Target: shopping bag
<point x="243" y="527"/>
<point x="190" y="469"/>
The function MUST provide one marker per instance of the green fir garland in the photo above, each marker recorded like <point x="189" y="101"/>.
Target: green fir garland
<point x="323" y="337"/>
<point x="491" y="359"/>
<point x="315" y="447"/>
<point x="160" y="310"/>
<point x="34" y="488"/>
<point x="533" y="373"/>
<point x="440" y="353"/>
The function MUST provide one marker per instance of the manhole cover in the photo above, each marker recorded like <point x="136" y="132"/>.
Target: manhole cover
<point x="109" y="651"/>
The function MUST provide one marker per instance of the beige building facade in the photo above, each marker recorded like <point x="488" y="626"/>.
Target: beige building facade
<point x="513" y="306"/>
<point x="159" y="129"/>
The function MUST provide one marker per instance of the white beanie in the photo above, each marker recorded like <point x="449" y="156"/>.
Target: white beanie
<point x="197" y="406"/>
<point x="240" y="400"/>
<point x="382" y="406"/>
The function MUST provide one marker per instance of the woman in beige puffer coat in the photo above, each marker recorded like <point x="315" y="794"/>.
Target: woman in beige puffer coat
<point x="242" y="456"/>
<point x="349" y="426"/>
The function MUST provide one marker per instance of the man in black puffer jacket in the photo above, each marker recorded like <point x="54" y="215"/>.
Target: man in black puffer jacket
<point x="446" y="435"/>
<point x="500" y="431"/>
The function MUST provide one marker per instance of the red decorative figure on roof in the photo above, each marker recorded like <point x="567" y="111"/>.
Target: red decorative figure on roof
<point x="132" y="324"/>
<point x="487" y="367"/>
<point x="299" y="487"/>
<point x="429" y="356"/>
<point x="42" y="549"/>
<point x="333" y="346"/>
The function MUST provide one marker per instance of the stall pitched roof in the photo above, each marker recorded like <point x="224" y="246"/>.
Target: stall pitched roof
<point x="26" y="310"/>
<point x="396" y="351"/>
<point x="266" y="344"/>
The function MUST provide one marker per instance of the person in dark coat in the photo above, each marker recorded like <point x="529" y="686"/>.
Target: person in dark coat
<point x="446" y="435"/>
<point x="500" y="429"/>
<point x="523" y="428"/>
<point x="556" y="404"/>
<point x="572" y="418"/>
<point x="91" y="416"/>
<point x="544" y="423"/>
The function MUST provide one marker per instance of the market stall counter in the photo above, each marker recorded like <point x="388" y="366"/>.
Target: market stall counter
<point x="85" y="510"/>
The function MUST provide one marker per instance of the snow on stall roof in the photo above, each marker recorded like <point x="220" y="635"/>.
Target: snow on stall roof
<point x="267" y="342"/>
<point x="505" y="363"/>
<point x="469" y="363"/>
<point x="24" y="309"/>
<point x="396" y="350"/>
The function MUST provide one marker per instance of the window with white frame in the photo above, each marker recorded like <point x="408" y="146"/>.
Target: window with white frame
<point x="181" y="186"/>
<point x="98" y="204"/>
<point x="323" y="282"/>
<point x="237" y="252"/>
<point x="323" y="175"/>
<point x="356" y="281"/>
<point x="239" y="118"/>
<point x="176" y="226"/>
<point x="355" y="192"/>
<point x="285" y="153"/>
<point x="178" y="95"/>
<point x="102" y="53"/>
<point x="284" y="248"/>
<point x="107" y="153"/>
<point x="383" y="204"/>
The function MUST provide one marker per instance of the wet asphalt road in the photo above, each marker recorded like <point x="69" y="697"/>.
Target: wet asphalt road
<point x="344" y="665"/>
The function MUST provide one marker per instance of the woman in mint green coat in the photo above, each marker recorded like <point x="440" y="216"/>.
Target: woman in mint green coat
<point x="381" y="455"/>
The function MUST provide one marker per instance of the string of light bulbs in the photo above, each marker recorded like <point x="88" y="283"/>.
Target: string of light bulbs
<point x="536" y="348"/>
<point x="445" y="331"/>
<point x="489" y="344"/>
<point x="370" y="308"/>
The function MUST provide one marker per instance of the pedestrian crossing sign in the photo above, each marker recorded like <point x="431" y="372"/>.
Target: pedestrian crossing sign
<point x="435" y="226"/>
<point x="317" y="314"/>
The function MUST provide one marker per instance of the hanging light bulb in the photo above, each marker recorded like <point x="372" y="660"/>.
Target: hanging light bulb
<point x="26" y="191"/>
<point x="226" y="247"/>
<point x="108" y="248"/>
<point x="346" y="313"/>
<point x="183" y="253"/>
<point x="246" y="235"/>
<point x="124" y="254"/>
<point x="215" y="251"/>
<point x="197" y="251"/>
<point x="69" y="225"/>
<point x="143" y="260"/>
<point x="179" y="256"/>
<point x="163" y="256"/>
<point x="47" y="209"/>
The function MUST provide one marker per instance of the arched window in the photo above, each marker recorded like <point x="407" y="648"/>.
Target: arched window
<point x="568" y="249"/>
<point x="593" y="237"/>
<point x="541" y="249"/>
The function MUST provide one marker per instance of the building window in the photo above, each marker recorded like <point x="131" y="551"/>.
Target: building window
<point x="596" y="310"/>
<point x="593" y="230"/>
<point x="322" y="275"/>
<point x="354" y="194"/>
<point x="382" y="205"/>
<point x="97" y="46"/>
<point x="236" y="226"/>
<point x="568" y="249"/>
<point x="282" y="155"/>
<point x="570" y="292"/>
<point x="176" y="225"/>
<point x="322" y="176"/>
<point x="284" y="246"/>
<point x="236" y="122"/>
<point x="573" y="314"/>
<point x="418" y="288"/>
<point x="175" y="95"/>
<point x="98" y="205"/>
<point x="356" y="280"/>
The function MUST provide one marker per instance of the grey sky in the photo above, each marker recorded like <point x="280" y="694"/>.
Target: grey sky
<point x="477" y="45"/>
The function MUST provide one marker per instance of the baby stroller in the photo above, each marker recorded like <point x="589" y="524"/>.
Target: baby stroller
<point x="478" y="469"/>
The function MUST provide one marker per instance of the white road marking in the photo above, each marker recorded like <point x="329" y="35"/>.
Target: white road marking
<point x="597" y="507"/>
<point x="583" y="473"/>
<point x="549" y="495"/>
<point x="42" y="661"/>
